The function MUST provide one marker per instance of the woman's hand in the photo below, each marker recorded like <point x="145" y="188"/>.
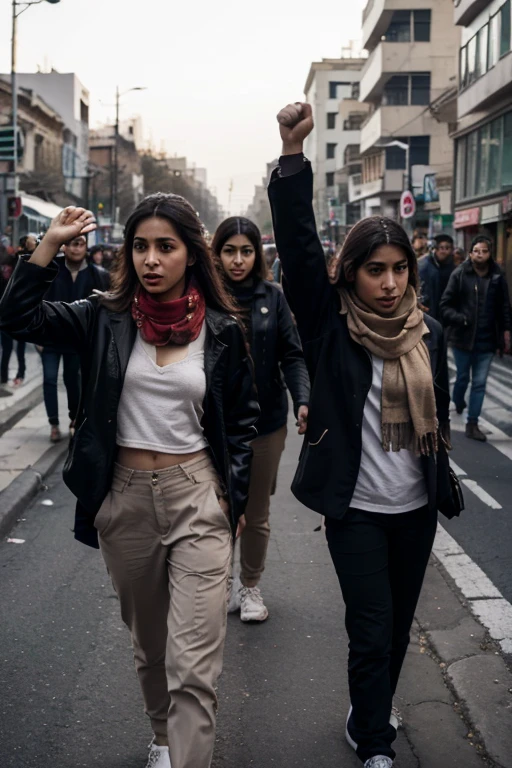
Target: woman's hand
<point x="70" y="223"/>
<point x="302" y="419"/>
<point x="295" y="124"/>
<point x="241" y="525"/>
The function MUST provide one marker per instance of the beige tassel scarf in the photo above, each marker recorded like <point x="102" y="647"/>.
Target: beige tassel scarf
<point x="408" y="411"/>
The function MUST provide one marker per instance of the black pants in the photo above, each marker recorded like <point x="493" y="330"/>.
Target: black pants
<point x="7" y="345"/>
<point x="51" y="362"/>
<point x="380" y="560"/>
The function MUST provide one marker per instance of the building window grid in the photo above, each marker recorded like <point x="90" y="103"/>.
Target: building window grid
<point x="484" y="159"/>
<point x="487" y="46"/>
<point x="407" y="90"/>
<point x="330" y="151"/>
<point x="331" y="120"/>
<point x="409" y="26"/>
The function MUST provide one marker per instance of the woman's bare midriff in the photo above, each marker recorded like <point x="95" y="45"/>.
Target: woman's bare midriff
<point x="137" y="458"/>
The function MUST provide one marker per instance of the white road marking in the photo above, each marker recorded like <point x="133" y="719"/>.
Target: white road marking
<point x="458" y="471"/>
<point x="482" y="495"/>
<point x="485" y="601"/>
<point x="499" y="439"/>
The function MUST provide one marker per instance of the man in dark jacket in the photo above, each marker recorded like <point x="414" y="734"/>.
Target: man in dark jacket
<point x="77" y="279"/>
<point x="435" y="269"/>
<point x="476" y="309"/>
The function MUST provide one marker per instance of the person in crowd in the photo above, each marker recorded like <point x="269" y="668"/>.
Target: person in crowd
<point x="476" y="309"/>
<point x="96" y="255"/>
<point x="277" y="355"/>
<point x="160" y="461"/>
<point x="419" y="245"/>
<point x="27" y="244"/>
<point x="75" y="279"/>
<point x="458" y="256"/>
<point x="434" y="270"/>
<point x="374" y="460"/>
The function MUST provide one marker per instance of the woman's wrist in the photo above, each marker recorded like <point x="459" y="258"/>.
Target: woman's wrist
<point x="292" y="148"/>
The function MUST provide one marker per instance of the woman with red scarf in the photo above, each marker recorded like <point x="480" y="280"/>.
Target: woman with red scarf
<point x="160" y="460"/>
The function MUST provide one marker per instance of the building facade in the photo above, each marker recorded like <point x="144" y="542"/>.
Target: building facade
<point x="405" y="141"/>
<point x="483" y="139"/>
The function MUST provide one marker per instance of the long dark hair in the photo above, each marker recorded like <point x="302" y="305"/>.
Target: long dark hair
<point x="239" y="225"/>
<point x="362" y="240"/>
<point x="184" y="219"/>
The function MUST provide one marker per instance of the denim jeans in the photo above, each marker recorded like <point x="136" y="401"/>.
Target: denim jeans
<point x="7" y="345"/>
<point x="478" y="364"/>
<point x="51" y="362"/>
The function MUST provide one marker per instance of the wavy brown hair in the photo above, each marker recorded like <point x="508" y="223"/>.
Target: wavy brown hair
<point x="178" y="211"/>
<point x="363" y="239"/>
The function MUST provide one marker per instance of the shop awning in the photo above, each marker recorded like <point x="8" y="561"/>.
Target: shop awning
<point x="39" y="207"/>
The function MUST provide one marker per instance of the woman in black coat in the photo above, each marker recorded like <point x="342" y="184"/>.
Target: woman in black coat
<point x="279" y="364"/>
<point x="374" y="460"/>
<point x="161" y="457"/>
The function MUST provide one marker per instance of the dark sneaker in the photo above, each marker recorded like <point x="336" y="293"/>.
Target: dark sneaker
<point x="460" y="408"/>
<point x="474" y="432"/>
<point x="55" y="435"/>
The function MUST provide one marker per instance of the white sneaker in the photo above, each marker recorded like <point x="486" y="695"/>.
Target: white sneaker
<point x="158" y="757"/>
<point x="379" y="761"/>
<point x="233" y="598"/>
<point x="252" y="607"/>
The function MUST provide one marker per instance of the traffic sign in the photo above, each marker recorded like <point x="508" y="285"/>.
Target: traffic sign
<point x="7" y="143"/>
<point x="14" y="207"/>
<point x="407" y="204"/>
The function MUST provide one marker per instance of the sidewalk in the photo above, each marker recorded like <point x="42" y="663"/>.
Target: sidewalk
<point x="284" y="693"/>
<point x="15" y="402"/>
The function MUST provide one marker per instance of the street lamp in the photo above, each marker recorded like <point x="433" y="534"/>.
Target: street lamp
<point x="14" y="89"/>
<point x="116" y="141"/>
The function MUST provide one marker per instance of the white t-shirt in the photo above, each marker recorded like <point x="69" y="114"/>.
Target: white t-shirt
<point x="388" y="481"/>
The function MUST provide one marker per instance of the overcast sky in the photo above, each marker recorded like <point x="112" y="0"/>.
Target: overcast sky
<point x="217" y="72"/>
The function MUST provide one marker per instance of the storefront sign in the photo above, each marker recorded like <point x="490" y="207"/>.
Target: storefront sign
<point x="490" y="213"/>
<point x="470" y="217"/>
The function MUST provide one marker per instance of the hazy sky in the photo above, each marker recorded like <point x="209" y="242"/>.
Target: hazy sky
<point x="217" y="72"/>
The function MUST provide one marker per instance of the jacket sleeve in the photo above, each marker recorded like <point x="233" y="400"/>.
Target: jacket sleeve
<point x="450" y="301"/>
<point x="26" y="317"/>
<point x="424" y="286"/>
<point x="506" y="311"/>
<point x="306" y="283"/>
<point x="290" y="355"/>
<point x="241" y="412"/>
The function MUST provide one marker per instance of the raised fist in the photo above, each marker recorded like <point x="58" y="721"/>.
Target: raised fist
<point x="295" y="124"/>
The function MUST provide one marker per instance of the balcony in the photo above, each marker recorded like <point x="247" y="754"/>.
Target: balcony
<point x="387" y="123"/>
<point x="391" y="183"/>
<point x="487" y="90"/>
<point x="388" y="59"/>
<point x="465" y="11"/>
<point x="376" y="17"/>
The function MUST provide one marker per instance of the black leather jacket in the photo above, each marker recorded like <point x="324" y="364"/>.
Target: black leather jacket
<point x="104" y="340"/>
<point x="277" y="355"/>
<point x="460" y="306"/>
<point x="340" y="370"/>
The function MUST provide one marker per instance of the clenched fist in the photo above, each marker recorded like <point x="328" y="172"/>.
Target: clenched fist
<point x="295" y="124"/>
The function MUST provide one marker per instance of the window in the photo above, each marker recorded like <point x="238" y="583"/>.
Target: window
<point x="395" y="159"/>
<point x="330" y="151"/>
<point x="463" y="67"/>
<point x="472" y="164"/>
<point x="422" y="26"/>
<point x="399" y="30"/>
<point x="396" y="91"/>
<point x="419" y="153"/>
<point x="483" y="159"/>
<point x="340" y="90"/>
<point x="505" y="28"/>
<point x="492" y="58"/>
<point x="506" y="162"/>
<point x="353" y="123"/>
<point x="472" y="60"/>
<point x="420" y="89"/>
<point x="329" y="179"/>
<point x="460" y="189"/>
<point x="355" y="91"/>
<point x="84" y="112"/>
<point x="493" y="178"/>
<point x="331" y="120"/>
<point x="482" y="43"/>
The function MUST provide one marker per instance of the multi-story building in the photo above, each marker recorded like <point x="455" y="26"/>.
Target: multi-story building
<point x="483" y="139"/>
<point x="412" y="65"/>
<point x="329" y="83"/>
<point x="259" y="208"/>
<point x="65" y="94"/>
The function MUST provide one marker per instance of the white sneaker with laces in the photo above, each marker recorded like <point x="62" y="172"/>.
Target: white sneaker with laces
<point x="252" y="607"/>
<point x="379" y="761"/>
<point x="158" y="757"/>
<point x="233" y="599"/>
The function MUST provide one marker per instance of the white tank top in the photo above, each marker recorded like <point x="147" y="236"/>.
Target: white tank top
<point x="161" y="407"/>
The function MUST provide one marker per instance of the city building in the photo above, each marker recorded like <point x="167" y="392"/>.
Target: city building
<point x="329" y="83"/>
<point x="483" y="139"/>
<point x="405" y="142"/>
<point x="66" y="95"/>
<point x="259" y="208"/>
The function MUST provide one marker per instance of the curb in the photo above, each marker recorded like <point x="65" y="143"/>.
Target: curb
<point x="15" y="498"/>
<point x="10" y="416"/>
<point x="472" y="666"/>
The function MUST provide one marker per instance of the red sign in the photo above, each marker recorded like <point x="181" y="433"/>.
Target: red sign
<point x="470" y="217"/>
<point x="14" y="207"/>
<point x="407" y="205"/>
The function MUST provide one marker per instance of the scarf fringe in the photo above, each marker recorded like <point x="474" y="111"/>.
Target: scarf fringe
<point x="397" y="437"/>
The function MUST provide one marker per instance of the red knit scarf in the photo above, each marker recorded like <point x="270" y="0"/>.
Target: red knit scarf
<point x="170" y="322"/>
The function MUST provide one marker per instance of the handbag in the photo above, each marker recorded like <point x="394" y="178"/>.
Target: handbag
<point x="450" y="500"/>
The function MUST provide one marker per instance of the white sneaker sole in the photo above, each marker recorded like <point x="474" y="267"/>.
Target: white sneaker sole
<point x="248" y="617"/>
<point x="393" y="720"/>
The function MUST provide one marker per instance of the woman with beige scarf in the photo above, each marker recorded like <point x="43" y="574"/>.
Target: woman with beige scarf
<point x="374" y="459"/>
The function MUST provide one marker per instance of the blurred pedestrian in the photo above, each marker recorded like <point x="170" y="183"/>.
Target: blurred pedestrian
<point x="458" y="256"/>
<point x="476" y="309"/>
<point x="27" y="244"/>
<point x="278" y="361"/>
<point x="161" y="457"/>
<point x="419" y="245"/>
<point x="373" y="460"/>
<point x="75" y="279"/>
<point x="96" y="255"/>
<point x="434" y="270"/>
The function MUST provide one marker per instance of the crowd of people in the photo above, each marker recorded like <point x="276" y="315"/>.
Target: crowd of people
<point x="178" y="364"/>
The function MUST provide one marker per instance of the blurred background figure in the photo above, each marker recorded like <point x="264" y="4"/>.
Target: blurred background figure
<point x="434" y="270"/>
<point x="27" y="245"/>
<point x="419" y="244"/>
<point x="458" y="256"/>
<point x="96" y="255"/>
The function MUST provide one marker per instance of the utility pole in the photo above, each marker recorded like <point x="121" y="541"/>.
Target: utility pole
<point x="116" y="165"/>
<point x="14" y="94"/>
